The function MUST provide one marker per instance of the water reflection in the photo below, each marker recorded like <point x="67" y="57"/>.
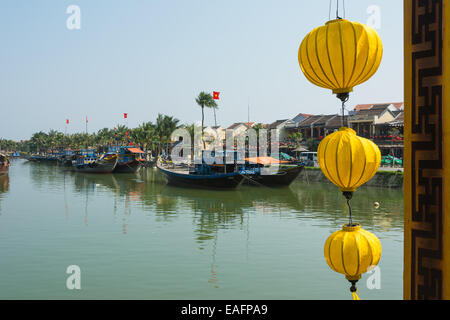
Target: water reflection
<point x="233" y="241"/>
<point x="213" y="210"/>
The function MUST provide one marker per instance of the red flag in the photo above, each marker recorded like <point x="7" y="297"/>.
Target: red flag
<point x="216" y="95"/>
<point x="125" y="115"/>
<point x="67" y="121"/>
<point x="86" y="120"/>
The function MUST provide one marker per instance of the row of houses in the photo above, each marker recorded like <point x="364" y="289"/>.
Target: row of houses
<point x="382" y="123"/>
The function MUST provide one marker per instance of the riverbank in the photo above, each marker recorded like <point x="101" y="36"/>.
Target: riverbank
<point x="383" y="178"/>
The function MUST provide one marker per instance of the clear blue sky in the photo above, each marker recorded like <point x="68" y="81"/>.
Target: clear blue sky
<point x="155" y="56"/>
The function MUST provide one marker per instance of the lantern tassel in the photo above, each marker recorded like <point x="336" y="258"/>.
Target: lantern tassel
<point x="353" y="289"/>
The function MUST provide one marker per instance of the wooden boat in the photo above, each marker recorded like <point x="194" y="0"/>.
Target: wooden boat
<point x="87" y="161"/>
<point x="270" y="172"/>
<point x="66" y="158"/>
<point x="4" y="164"/>
<point x="36" y="158"/>
<point x="129" y="160"/>
<point x="200" y="177"/>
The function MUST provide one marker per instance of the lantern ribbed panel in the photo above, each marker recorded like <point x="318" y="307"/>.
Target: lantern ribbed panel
<point x="347" y="160"/>
<point x="340" y="55"/>
<point x="351" y="251"/>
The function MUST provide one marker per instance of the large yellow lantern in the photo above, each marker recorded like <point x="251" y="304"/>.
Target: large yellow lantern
<point x="347" y="160"/>
<point x="340" y="55"/>
<point x="352" y="251"/>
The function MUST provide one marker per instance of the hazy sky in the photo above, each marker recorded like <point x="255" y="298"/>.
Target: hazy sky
<point x="146" y="57"/>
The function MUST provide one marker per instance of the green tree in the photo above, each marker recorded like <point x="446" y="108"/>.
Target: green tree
<point x="296" y="138"/>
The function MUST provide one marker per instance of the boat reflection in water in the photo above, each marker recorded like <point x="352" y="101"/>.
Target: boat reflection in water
<point x="214" y="209"/>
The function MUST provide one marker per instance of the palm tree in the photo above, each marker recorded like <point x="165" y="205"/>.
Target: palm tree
<point x="205" y="100"/>
<point x="165" y="125"/>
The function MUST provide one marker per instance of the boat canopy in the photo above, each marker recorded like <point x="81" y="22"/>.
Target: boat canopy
<point x="135" y="150"/>
<point x="265" y="160"/>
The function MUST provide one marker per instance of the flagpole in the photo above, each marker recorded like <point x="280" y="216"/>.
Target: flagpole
<point x="87" y="137"/>
<point x="248" y="111"/>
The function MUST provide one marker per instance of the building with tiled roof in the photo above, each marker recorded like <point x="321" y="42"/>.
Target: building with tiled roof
<point x="392" y="105"/>
<point x="365" y="121"/>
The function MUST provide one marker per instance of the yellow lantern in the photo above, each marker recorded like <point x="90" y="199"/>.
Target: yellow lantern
<point x="352" y="251"/>
<point x="340" y="55"/>
<point x="347" y="160"/>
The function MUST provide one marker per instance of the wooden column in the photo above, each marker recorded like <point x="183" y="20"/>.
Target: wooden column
<point x="427" y="149"/>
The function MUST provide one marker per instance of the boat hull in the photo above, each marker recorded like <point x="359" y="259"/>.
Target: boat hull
<point x="101" y="166"/>
<point x="284" y="177"/>
<point x="216" y="181"/>
<point x="3" y="170"/>
<point x="4" y="164"/>
<point x="132" y="166"/>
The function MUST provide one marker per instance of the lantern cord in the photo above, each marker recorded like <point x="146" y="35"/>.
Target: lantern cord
<point x="348" y="196"/>
<point x="337" y="10"/>
<point x="344" y="98"/>
<point x="349" y="212"/>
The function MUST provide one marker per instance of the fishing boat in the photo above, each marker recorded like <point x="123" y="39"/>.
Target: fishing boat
<point x="87" y="161"/>
<point x="129" y="159"/>
<point x="198" y="176"/>
<point x="260" y="171"/>
<point x="4" y="164"/>
<point x="66" y="158"/>
<point x="36" y="158"/>
<point x="270" y="172"/>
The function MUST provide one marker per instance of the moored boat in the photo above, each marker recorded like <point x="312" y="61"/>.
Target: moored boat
<point x="271" y="172"/>
<point x="129" y="159"/>
<point x="4" y="164"/>
<point x="87" y="161"/>
<point x="66" y="158"/>
<point x="200" y="176"/>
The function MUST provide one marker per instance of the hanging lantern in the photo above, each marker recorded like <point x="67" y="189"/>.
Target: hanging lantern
<point x="347" y="160"/>
<point x="352" y="251"/>
<point x="340" y="55"/>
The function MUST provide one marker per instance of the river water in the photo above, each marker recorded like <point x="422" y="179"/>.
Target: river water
<point x="134" y="237"/>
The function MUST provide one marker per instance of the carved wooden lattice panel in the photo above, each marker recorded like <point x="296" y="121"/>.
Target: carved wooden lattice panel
<point x="426" y="147"/>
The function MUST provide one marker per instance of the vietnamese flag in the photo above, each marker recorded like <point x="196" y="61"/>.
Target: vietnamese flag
<point x="86" y="120"/>
<point x="67" y="121"/>
<point x="125" y="115"/>
<point x="216" y="95"/>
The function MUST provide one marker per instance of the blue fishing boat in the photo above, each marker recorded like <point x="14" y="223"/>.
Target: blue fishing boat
<point x="271" y="172"/>
<point x="199" y="176"/>
<point x="66" y="158"/>
<point x="129" y="159"/>
<point x="260" y="171"/>
<point x="89" y="162"/>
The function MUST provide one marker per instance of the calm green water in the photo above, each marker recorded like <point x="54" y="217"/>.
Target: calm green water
<point x="136" y="238"/>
